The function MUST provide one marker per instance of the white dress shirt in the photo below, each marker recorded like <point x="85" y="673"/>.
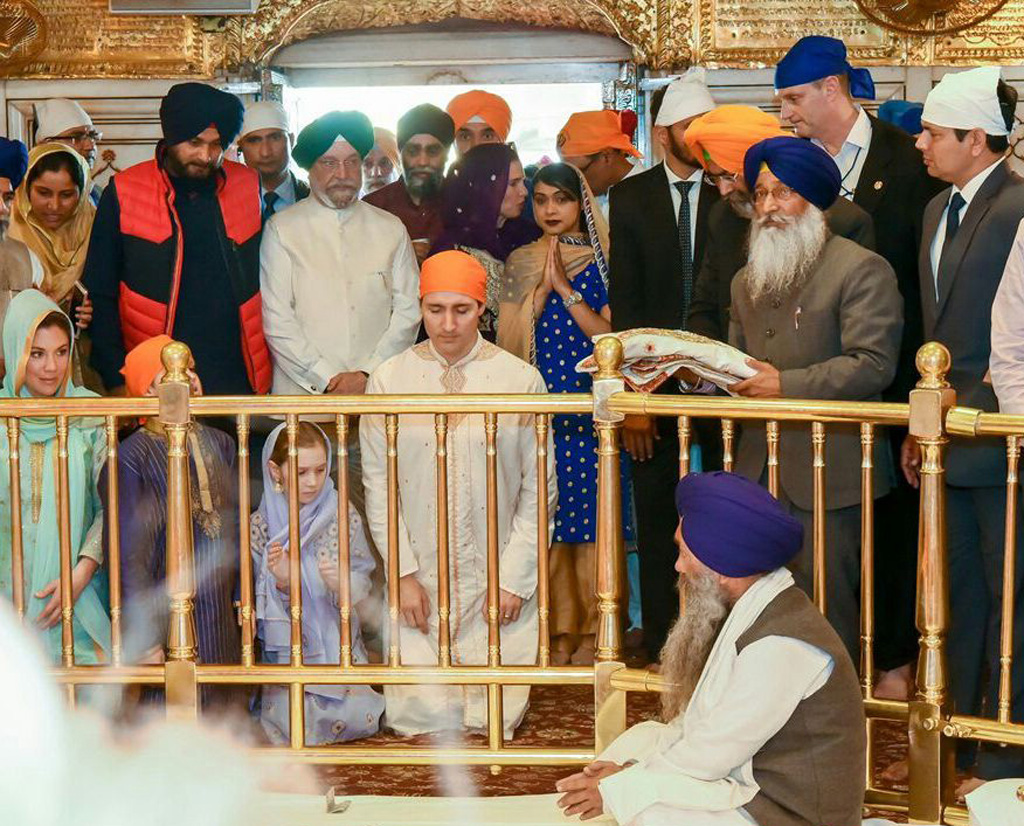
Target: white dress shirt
<point x="1007" y="360"/>
<point x="852" y="154"/>
<point x="968" y="193"/>
<point x="697" y="179"/>
<point x="340" y="292"/>
<point x="285" y="192"/>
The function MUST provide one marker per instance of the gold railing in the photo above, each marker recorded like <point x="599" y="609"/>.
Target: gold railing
<point x="930" y="415"/>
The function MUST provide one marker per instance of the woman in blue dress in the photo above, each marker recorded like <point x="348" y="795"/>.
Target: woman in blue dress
<point x="554" y="301"/>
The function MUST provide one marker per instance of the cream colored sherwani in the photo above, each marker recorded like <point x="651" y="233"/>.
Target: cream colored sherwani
<point x="486" y="369"/>
<point x="340" y="292"/>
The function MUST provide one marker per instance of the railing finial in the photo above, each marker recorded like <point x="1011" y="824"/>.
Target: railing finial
<point x="933" y="363"/>
<point x="176" y="358"/>
<point x="608" y="355"/>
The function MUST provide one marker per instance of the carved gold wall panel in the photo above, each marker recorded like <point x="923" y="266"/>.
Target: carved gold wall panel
<point x="82" y="39"/>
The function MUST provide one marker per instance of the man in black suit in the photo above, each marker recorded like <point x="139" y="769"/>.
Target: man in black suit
<point x="720" y="139"/>
<point x="884" y="175"/>
<point x="968" y="234"/>
<point x="658" y="229"/>
<point x="266" y="144"/>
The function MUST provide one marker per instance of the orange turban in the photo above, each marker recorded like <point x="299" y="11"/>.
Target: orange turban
<point x="724" y="135"/>
<point x="588" y="132"/>
<point x="143" y="364"/>
<point x="452" y="271"/>
<point x="491" y="109"/>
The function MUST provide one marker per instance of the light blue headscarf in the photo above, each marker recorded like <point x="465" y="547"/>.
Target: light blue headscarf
<point x="42" y="560"/>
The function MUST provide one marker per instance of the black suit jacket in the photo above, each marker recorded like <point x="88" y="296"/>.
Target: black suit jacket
<point x="301" y="188"/>
<point x="961" y="317"/>
<point x="893" y="188"/>
<point x="646" y="272"/>
<point x="726" y="255"/>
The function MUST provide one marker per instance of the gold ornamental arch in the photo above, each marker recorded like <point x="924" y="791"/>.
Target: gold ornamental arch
<point x="258" y="38"/>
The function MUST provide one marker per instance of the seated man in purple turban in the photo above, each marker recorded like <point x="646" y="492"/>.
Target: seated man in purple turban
<point x="822" y="317"/>
<point x="764" y="722"/>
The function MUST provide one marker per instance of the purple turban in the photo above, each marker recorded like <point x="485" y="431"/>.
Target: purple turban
<point x="734" y="526"/>
<point x="801" y="165"/>
<point x="13" y="161"/>
<point x="189" y="108"/>
<point x="815" y="57"/>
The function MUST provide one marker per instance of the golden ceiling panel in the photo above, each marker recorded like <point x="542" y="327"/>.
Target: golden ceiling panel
<point x="998" y="40"/>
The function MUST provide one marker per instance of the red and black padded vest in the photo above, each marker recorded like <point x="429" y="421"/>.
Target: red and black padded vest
<point x="153" y="245"/>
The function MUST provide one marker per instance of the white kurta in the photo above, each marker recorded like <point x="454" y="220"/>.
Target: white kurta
<point x="340" y="292"/>
<point x="486" y="369"/>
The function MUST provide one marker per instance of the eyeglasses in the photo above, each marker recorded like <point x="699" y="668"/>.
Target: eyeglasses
<point x="333" y="164"/>
<point x="779" y="193"/>
<point x="721" y="178"/>
<point x="82" y="136"/>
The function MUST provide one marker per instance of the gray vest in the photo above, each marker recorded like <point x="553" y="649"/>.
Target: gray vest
<point x="812" y="772"/>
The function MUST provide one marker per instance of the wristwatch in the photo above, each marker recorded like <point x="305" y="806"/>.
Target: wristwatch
<point x="575" y="297"/>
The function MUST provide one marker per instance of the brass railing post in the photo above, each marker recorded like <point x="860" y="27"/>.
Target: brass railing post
<point x="931" y="753"/>
<point x="611" y="561"/>
<point x="180" y="670"/>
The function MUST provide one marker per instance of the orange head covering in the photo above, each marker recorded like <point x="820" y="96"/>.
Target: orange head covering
<point x="489" y="108"/>
<point x="588" y="132"/>
<point x="724" y="135"/>
<point x="452" y="271"/>
<point x="143" y="364"/>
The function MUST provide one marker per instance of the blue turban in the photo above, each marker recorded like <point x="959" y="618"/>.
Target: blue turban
<point x="813" y="58"/>
<point x="734" y="526"/>
<point x="801" y="165"/>
<point x="189" y="108"/>
<point x="318" y="136"/>
<point x="13" y="161"/>
<point x="902" y="113"/>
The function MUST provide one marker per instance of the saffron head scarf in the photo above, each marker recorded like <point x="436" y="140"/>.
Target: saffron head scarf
<point x="724" y="135"/>
<point x="453" y="271"/>
<point x="478" y="105"/>
<point x="801" y="165"/>
<point x="586" y="133"/>
<point x="815" y="57"/>
<point x="61" y="251"/>
<point x="386" y="142"/>
<point x="143" y="364"/>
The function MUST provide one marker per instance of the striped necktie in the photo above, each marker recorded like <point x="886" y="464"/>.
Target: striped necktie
<point x="685" y="244"/>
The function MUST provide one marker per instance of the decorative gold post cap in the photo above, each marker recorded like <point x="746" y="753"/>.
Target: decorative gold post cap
<point x="933" y="363"/>
<point x="608" y="355"/>
<point x="176" y="358"/>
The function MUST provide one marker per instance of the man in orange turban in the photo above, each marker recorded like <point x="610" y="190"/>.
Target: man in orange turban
<point x="480" y="117"/>
<point x="596" y="143"/>
<point x="720" y="138"/>
<point x="456" y="359"/>
<point x="144" y="367"/>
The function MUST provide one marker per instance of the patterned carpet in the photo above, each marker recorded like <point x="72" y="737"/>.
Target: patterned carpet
<point x="558" y="716"/>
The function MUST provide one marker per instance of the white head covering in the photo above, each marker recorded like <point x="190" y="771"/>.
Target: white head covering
<point x="58" y="115"/>
<point x="967" y="100"/>
<point x="685" y="97"/>
<point x="264" y="114"/>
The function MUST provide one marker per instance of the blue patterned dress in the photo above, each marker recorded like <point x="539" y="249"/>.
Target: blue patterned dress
<point x="560" y="344"/>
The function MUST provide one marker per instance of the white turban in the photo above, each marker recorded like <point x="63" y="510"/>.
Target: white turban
<point x="685" y="97"/>
<point x="58" y="115"/>
<point x="967" y="100"/>
<point x="264" y="114"/>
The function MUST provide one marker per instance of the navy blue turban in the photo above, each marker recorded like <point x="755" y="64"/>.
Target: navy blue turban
<point x="801" y="165"/>
<point x="813" y="58"/>
<point x="734" y="526"/>
<point x="902" y="113"/>
<point x="13" y="161"/>
<point x="317" y="137"/>
<point x="426" y="119"/>
<point x="189" y="108"/>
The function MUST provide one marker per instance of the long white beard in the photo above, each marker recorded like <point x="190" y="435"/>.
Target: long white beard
<point x="783" y="249"/>
<point x="690" y="641"/>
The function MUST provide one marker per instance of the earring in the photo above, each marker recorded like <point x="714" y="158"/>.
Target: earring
<point x="278" y="487"/>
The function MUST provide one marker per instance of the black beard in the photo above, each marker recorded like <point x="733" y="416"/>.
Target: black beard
<point x="177" y="169"/>
<point x="424" y="188"/>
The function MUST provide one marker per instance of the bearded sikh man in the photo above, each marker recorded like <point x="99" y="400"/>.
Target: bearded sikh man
<point x="597" y="144"/>
<point x="175" y="249"/>
<point x="479" y="117"/>
<point x="658" y="232"/>
<point x="719" y="139"/>
<point x="455" y="359"/>
<point x="266" y="142"/>
<point x="425" y="135"/>
<point x="381" y="165"/>
<point x="822" y="317"/>
<point x="764" y="722"/>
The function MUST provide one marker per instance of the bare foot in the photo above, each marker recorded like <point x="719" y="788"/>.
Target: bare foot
<point x="967" y="786"/>
<point x="897" y="684"/>
<point x="898" y="772"/>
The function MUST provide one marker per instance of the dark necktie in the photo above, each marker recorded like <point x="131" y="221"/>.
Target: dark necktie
<point x="956" y="203"/>
<point x="270" y="200"/>
<point x="685" y="246"/>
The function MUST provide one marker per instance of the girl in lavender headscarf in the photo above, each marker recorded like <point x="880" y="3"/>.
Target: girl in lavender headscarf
<point x="334" y="714"/>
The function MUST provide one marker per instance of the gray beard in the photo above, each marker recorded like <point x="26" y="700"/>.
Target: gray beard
<point x="690" y="641"/>
<point x="3" y="228"/>
<point x="741" y="203"/>
<point x="783" y="252"/>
